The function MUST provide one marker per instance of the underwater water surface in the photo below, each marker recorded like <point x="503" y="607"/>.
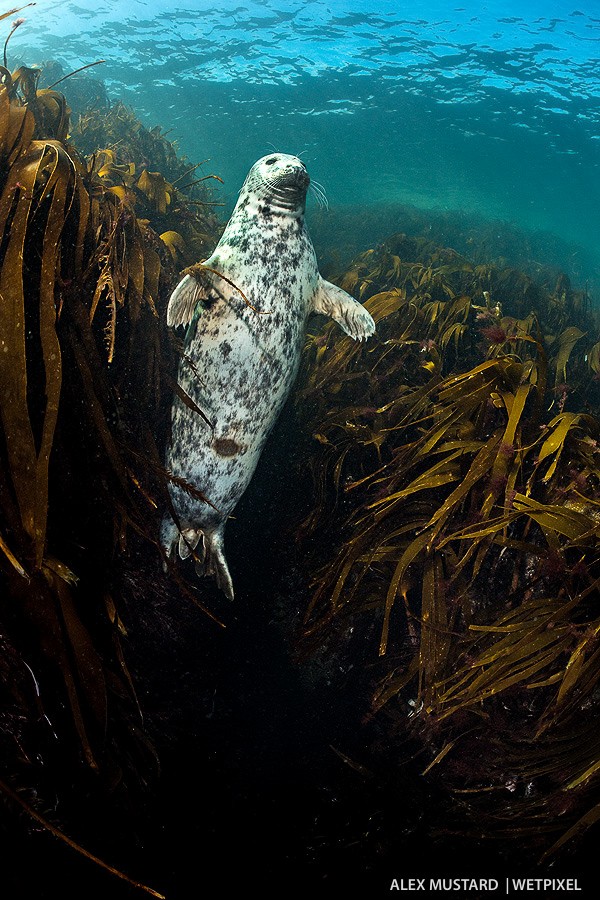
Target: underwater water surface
<point x="489" y="108"/>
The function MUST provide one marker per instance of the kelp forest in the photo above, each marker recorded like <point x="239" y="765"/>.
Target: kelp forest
<point x="457" y="460"/>
<point x="92" y="240"/>
<point x="439" y="540"/>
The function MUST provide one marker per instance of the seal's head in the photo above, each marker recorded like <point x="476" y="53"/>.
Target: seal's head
<point x="278" y="181"/>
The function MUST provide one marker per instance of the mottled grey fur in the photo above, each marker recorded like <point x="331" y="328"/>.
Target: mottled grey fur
<point x="240" y="363"/>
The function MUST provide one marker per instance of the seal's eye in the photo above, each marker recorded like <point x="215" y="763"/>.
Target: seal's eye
<point x="271" y="161"/>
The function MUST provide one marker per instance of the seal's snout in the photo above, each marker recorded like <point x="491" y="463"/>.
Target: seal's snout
<point x="293" y="176"/>
<point x="300" y="176"/>
<point x="283" y="170"/>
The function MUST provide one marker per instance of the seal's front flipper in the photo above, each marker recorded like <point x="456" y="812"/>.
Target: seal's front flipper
<point x="183" y="300"/>
<point x="191" y="290"/>
<point x="351" y="316"/>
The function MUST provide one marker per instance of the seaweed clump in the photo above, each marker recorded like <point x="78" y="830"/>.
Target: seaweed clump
<point x="176" y="196"/>
<point x="457" y="459"/>
<point x="86" y="372"/>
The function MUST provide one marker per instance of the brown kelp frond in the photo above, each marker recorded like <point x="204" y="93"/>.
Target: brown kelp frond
<point x="51" y="113"/>
<point x="41" y="183"/>
<point x="457" y="456"/>
<point x="128" y="267"/>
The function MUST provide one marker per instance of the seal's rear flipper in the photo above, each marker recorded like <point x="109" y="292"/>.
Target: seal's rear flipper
<point x="213" y="562"/>
<point x="207" y="548"/>
<point x="351" y="316"/>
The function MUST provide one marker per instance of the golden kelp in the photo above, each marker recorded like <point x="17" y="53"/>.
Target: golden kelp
<point x="171" y="193"/>
<point x="457" y="455"/>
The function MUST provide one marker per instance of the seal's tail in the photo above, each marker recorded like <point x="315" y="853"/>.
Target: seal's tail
<point x="208" y="547"/>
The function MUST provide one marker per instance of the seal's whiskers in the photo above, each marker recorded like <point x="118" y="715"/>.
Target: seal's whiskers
<point x="319" y="192"/>
<point x="283" y="191"/>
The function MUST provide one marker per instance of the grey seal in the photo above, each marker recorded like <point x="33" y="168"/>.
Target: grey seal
<point x="246" y="308"/>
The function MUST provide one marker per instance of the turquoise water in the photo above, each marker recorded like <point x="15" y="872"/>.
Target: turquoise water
<point x="489" y="108"/>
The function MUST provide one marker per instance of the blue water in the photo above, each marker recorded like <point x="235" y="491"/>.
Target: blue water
<point x="488" y="108"/>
